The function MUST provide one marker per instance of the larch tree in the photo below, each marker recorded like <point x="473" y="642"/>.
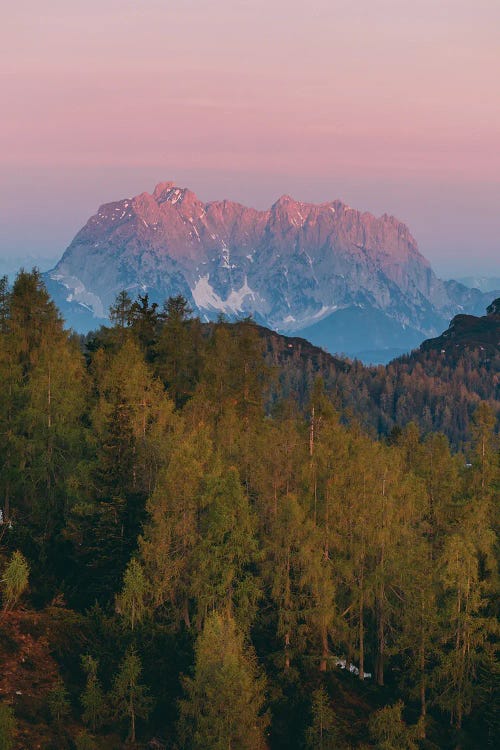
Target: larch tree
<point x="8" y="726"/>
<point x="92" y="699"/>
<point x="131" y="603"/>
<point x="419" y="628"/>
<point x="356" y="522"/>
<point x="225" y="555"/>
<point x="172" y="530"/>
<point x="58" y="703"/>
<point x="179" y="350"/>
<point x="389" y="730"/>
<point x="323" y="734"/>
<point x="468" y="627"/>
<point x="283" y="568"/>
<point x="130" y="699"/>
<point x="15" y="580"/>
<point x="223" y="707"/>
<point x="120" y="311"/>
<point x="47" y="389"/>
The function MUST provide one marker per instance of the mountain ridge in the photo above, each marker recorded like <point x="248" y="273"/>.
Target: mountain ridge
<point x="290" y="267"/>
<point x="470" y="331"/>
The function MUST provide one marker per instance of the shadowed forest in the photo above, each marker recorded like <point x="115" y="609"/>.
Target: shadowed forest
<point x="214" y="537"/>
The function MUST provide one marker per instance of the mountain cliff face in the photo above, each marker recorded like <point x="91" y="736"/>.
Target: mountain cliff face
<point x="326" y="269"/>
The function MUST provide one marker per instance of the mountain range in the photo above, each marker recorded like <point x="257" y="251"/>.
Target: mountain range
<point x="346" y="280"/>
<point x="484" y="283"/>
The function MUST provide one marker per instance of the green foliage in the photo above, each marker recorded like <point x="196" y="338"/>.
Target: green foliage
<point x="92" y="699"/>
<point x="389" y="730"/>
<point x="172" y="532"/>
<point x="85" y="741"/>
<point x="7" y="727"/>
<point x="14" y="580"/>
<point x="58" y="703"/>
<point x="178" y="350"/>
<point x="129" y="698"/>
<point x="131" y="603"/>
<point x="162" y="468"/>
<point x="224" y="700"/>
<point x="222" y="576"/>
<point x="144" y="320"/>
<point x="120" y="311"/>
<point x="323" y="732"/>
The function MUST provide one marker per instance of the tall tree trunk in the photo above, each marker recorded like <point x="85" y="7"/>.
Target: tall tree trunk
<point x="132" y="721"/>
<point x="287" y="604"/>
<point x="351" y="637"/>
<point x="324" y="650"/>
<point x="423" y="698"/>
<point x="6" y="507"/>
<point x="185" y="613"/>
<point x="380" y="639"/>
<point x="361" y="635"/>
<point x="311" y="434"/>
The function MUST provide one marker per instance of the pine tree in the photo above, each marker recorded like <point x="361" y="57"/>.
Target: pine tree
<point x="285" y="560"/>
<point x="323" y="734"/>
<point x="483" y="424"/>
<point x="327" y="458"/>
<point x="419" y="633"/>
<point x="120" y="311"/>
<point x="93" y="699"/>
<point x="278" y="457"/>
<point x="144" y="319"/>
<point x="12" y="399"/>
<point x="58" y="703"/>
<point x="15" y="580"/>
<point x="225" y="555"/>
<point x="356" y="523"/>
<point x="85" y="741"/>
<point x="7" y="727"/>
<point x="45" y="382"/>
<point x="389" y="730"/>
<point x="179" y="350"/>
<point x="130" y="699"/>
<point x="467" y="626"/>
<point x="131" y="603"/>
<point x="172" y="530"/>
<point x="223" y="707"/>
<point x="4" y="303"/>
<point x="133" y="429"/>
<point x="319" y="594"/>
<point x="132" y="398"/>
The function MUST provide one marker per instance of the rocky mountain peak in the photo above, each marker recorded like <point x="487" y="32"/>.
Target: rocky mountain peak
<point x="293" y="266"/>
<point x="283" y="201"/>
<point x="162" y="188"/>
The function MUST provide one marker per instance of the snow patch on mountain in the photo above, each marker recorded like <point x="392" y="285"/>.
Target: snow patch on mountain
<point x="206" y="298"/>
<point x="293" y="266"/>
<point x="78" y="293"/>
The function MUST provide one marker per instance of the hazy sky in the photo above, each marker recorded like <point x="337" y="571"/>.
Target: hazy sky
<point x="390" y="105"/>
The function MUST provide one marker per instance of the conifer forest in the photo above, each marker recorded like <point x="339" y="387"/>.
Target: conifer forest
<point x="216" y="538"/>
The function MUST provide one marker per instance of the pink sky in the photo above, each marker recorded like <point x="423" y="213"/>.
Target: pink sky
<point x="390" y="105"/>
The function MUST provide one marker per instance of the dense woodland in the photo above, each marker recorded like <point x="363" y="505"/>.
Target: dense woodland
<point x="205" y="545"/>
<point x="437" y="389"/>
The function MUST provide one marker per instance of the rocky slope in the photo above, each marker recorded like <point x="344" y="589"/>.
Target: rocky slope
<point x="471" y="332"/>
<point x="346" y="279"/>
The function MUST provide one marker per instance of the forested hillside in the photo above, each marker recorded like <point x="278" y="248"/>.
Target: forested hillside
<point x="204" y="544"/>
<point x="437" y="389"/>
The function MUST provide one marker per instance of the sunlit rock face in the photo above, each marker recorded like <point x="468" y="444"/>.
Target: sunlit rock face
<point x="292" y="267"/>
